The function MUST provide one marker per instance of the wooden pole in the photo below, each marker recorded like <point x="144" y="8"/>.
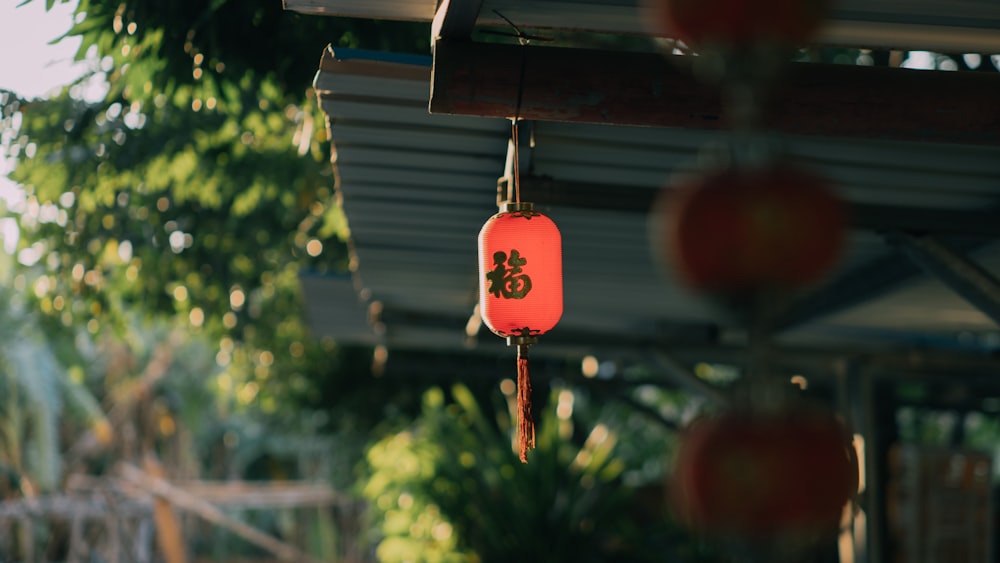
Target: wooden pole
<point x="169" y="536"/>
<point x="26" y="529"/>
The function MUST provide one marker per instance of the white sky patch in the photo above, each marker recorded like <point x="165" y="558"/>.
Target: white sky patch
<point x="31" y="67"/>
<point x="9" y="234"/>
<point x="11" y="199"/>
<point x="919" y="60"/>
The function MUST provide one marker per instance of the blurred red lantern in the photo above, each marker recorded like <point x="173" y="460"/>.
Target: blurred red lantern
<point x="784" y="475"/>
<point x="737" y="230"/>
<point x="739" y="23"/>
<point x="520" y="289"/>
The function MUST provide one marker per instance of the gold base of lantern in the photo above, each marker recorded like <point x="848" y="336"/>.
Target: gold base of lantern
<point x="522" y="340"/>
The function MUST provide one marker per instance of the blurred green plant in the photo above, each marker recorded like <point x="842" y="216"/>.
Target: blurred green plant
<point x="450" y="489"/>
<point x="37" y="396"/>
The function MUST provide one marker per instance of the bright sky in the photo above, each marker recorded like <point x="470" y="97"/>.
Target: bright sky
<point x="30" y="66"/>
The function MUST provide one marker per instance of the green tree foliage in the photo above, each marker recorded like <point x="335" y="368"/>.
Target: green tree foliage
<point x="198" y="184"/>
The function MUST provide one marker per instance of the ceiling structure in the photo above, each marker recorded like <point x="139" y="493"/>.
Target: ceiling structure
<point x="953" y="26"/>
<point x="422" y="150"/>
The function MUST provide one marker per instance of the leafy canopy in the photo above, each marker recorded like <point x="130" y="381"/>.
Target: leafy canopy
<point x="188" y="174"/>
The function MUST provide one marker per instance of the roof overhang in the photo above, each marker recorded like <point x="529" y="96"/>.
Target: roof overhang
<point x="968" y="26"/>
<point x="914" y="153"/>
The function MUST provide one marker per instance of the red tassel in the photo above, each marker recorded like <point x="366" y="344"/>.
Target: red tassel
<point x="525" y="424"/>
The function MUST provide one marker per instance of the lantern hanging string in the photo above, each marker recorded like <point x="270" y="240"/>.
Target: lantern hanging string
<point x="523" y="40"/>
<point x="515" y="129"/>
<point x="517" y="165"/>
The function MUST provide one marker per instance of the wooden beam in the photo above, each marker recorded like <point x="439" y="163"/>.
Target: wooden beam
<point x="395" y="10"/>
<point x="648" y="89"/>
<point x="966" y="278"/>
<point x="455" y="19"/>
<point x="859" y="285"/>
<point x="683" y="377"/>
<point x="942" y="27"/>
<point x="183" y="500"/>
<point x="665" y="336"/>
<point x="978" y="222"/>
<point x="264" y="494"/>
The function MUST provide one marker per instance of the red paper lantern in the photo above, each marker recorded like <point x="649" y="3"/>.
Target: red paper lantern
<point x="739" y="23"/>
<point x="733" y="231"/>
<point x="773" y="476"/>
<point x="520" y="272"/>
<point x="520" y="289"/>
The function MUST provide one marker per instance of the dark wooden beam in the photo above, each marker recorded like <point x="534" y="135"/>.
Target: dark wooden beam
<point x="859" y="285"/>
<point x="681" y="376"/>
<point x="455" y="19"/>
<point x="950" y="266"/>
<point x="647" y="89"/>
<point x="866" y="282"/>
<point x="979" y="222"/>
<point x="667" y="335"/>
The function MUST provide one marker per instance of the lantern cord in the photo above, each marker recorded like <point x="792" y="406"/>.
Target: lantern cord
<point x="517" y="114"/>
<point x="525" y="423"/>
<point x="517" y="165"/>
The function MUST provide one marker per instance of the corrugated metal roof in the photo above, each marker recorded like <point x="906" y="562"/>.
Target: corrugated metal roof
<point x="417" y="187"/>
